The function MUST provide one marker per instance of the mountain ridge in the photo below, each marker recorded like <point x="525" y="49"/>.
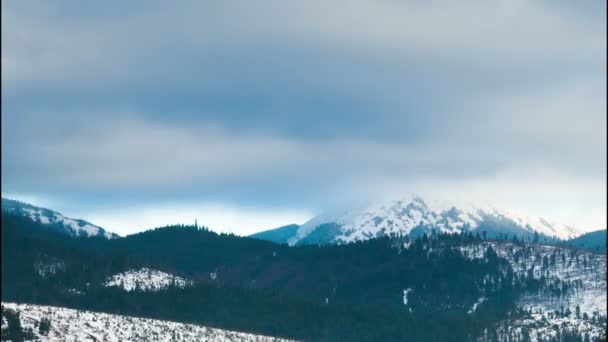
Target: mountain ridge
<point x="595" y="240"/>
<point x="415" y="217"/>
<point x="55" y="220"/>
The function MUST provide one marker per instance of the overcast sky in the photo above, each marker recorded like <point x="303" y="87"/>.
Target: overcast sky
<point x="251" y="115"/>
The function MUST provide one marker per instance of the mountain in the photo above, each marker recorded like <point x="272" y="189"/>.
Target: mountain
<point x="443" y="287"/>
<point x="278" y="235"/>
<point x="594" y="240"/>
<point x="415" y="217"/>
<point x="54" y="220"/>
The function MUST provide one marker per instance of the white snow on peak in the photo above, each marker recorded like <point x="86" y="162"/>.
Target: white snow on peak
<point x="146" y="279"/>
<point x="538" y="224"/>
<point x="400" y="216"/>
<point x="48" y="217"/>
<point x="77" y="325"/>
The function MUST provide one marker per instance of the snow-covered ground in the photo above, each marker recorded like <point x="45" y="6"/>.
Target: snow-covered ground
<point x="585" y="271"/>
<point x="78" y="326"/>
<point x="146" y="279"/>
<point x="539" y="327"/>
<point x="551" y="262"/>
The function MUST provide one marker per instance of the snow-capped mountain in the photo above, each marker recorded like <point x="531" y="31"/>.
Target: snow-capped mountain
<point x="414" y="216"/>
<point x="55" y="220"/>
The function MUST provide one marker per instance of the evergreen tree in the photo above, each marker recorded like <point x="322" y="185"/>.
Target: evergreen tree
<point x="44" y="326"/>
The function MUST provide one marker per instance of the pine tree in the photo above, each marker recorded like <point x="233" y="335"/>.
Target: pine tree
<point x="44" y="326"/>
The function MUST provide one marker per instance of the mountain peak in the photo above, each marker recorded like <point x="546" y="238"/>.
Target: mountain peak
<point x="415" y="216"/>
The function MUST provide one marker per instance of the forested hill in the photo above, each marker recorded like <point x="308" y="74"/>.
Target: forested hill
<point x="595" y="241"/>
<point x="380" y="289"/>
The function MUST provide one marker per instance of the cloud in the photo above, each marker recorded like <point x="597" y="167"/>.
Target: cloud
<point x="297" y="105"/>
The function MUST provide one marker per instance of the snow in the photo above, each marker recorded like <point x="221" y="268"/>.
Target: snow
<point x="49" y="267"/>
<point x="146" y="279"/>
<point x="75" y="292"/>
<point x="474" y="307"/>
<point x="75" y="325"/>
<point x="541" y="327"/>
<point x="86" y="229"/>
<point x="590" y="298"/>
<point x="537" y="224"/>
<point x="401" y="216"/>
<point x="405" y="293"/>
<point x="577" y="266"/>
<point x="48" y="217"/>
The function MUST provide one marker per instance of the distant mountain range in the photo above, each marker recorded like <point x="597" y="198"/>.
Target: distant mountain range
<point x="54" y="220"/>
<point x="445" y="287"/>
<point x="414" y="217"/>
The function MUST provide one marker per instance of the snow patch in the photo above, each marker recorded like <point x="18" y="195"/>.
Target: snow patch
<point x="405" y="293"/>
<point x="146" y="279"/>
<point x="474" y="307"/>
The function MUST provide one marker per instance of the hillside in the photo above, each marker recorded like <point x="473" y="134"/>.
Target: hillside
<point x="593" y="241"/>
<point x="54" y="220"/>
<point x="277" y="235"/>
<point x="76" y="325"/>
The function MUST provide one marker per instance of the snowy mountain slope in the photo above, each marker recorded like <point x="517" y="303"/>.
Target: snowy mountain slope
<point x="540" y="327"/>
<point x="414" y="216"/>
<point x="55" y="220"/>
<point x="582" y="274"/>
<point x="146" y="279"/>
<point x="569" y="298"/>
<point x="77" y="325"/>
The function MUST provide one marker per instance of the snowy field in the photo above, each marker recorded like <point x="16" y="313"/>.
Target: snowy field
<point x="540" y="328"/>
<point x="146" y="279"/>
<point x="79" y="326"/>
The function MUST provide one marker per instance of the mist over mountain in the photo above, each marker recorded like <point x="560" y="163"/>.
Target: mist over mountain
<point x="414" y="217"/>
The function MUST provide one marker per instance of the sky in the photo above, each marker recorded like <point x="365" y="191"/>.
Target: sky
<point x="251" y="115"/>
